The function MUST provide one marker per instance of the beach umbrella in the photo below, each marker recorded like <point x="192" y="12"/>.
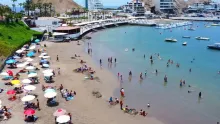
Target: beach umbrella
<point x="0" y="106"/>
<point x="30" y="54"/>
<point x="15" y="82"/>
<point x="29" y="112"/>
<point x="30" y="68"/>
<point x="63" y="119"/>
<point x="10" y="61"/>
<point x="48" y="71"/>
<point x="46" y="65"/>
<point x="27" y="98"/>
<point x="26" y="58"/>
<point x="17" y="85"/>
<point x="50" y="94"/>
<point x="23" y="49"/>
<point x="30" y="87"/>
<point x="32" y="75"/>
<point x="32" y="47"/>
<point x="37" y="40"/>
<point x="0" y="102"/>
<point x="19" y="51"/>
<point x="49" y="90"/>
<point x="46" y="57"/>
<point x="10" y="92"/>
<point x="59" y="112"/>
<point x="48" y="74"/>
<point x="4" y="74"/>
<point x="16" y="57"/>
<point x="26" y="81"/>
<point x="10" y="73"/>
<point x="20" y="65"/>
<point x="29" y="60"/>
<point x="43" y="54"/>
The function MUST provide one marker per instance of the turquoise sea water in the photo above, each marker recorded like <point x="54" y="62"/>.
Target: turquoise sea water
<point x="170" y="103"/>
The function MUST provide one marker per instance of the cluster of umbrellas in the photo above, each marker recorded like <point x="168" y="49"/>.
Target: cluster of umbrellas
<point x="60" y="116"/>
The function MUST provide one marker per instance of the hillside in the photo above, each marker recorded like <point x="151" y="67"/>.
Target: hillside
<point x="61" y="6"/>
<point x="12" y="36"/>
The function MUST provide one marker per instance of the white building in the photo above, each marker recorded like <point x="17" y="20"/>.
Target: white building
<point x="95" y="5"/>
<point x="166" y="6"/>
<point x="135" y="7"/>
<point x="200" y="6"/>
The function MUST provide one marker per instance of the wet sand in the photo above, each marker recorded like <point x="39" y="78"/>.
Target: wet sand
<point x="85" y="108"/>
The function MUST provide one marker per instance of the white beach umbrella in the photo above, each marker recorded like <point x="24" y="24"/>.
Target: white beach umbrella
<point x="46" y="57"/>
<point x="48" y="71"/>
<point x="25" y="63"/>
<point x="23" y="48"/>
<point x="17" y="85"/>
<point x="19" y="51"/>
<point x="50" y="94"/>
<point x="63" y="119"/>
<point x="0" y="106"/>
<point x="30" y="87"/>
<point x="30" y="68"/>
<point x="32" y="47"/>
<point x="0" y="102"/>
<point x="48" y="74"/>
<point x="32" y="75"/>
<point x="29" y="60"/>
<point x="43" y="54"/>
<point x="40" y="56"/>
<point x="21" y="65"/>
<point x="27" y="98"/>
<point x="46" y="65"/>
<point x="4" y="74"/>
<point x="26" y="81"/>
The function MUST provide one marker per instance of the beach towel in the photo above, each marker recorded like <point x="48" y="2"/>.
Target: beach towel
<point x="70" y="98"/>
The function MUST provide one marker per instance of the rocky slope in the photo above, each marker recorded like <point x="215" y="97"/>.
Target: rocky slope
<point x="61" y="6"/>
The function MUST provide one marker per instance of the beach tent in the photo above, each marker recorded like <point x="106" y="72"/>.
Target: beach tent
<point x="26" y="81"/>
<point x="59" y="112"/>
<point x="29" y="112"/>
<point x="63" y="119"/>
<point x="50" y="94"/>
<point x="30" y="54"/>
<point x="10" y="61"/>
<point x="30" y="87"/>
<point x="27" y="98"/>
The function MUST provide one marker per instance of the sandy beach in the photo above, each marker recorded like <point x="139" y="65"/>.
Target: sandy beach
<point x="85" y="108"/>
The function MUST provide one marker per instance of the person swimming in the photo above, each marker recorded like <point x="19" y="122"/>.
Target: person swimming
<point x="148" y="105"/>
<point x="141" y="77"/>
<point x="130" y="73"/>
<point x="151" y="57"/>
<point x="190" y="70"/>
<point x="156" y="71"/>
<point x="133" y="49"/>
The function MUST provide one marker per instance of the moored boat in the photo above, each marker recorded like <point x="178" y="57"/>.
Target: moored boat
<point x="184" y="43"/>
<point x="185" y="36"/>
<point x="202" y="38"/>
<point x="215" y="46"/>
<point x="170" y="40"/>
<point x="192" y="29"/>
<point x="215" y="24"/>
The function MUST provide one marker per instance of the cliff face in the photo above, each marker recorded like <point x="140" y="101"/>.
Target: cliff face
<point x="61" y="6"/>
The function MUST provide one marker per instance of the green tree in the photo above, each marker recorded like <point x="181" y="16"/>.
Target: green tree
<point x="50" y="7"/>
<point x="20" y="4"/>
<point x="45" y="5"/>
<point x="40" y="6"/>
<point x="13" y="5"/>
<point x="27" y="6"/>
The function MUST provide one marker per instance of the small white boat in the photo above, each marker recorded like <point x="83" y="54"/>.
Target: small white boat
<point x="126" y="49"/>
<point x="216" y="46"/>
<point x="184" y="43"/>
<point x="170" y="40"/>
<point x="185" y="36"/>
<point x="202" y="38"/>
<point x="215" y="24"/>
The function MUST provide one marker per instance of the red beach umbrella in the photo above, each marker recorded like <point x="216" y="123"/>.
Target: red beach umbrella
<point x="29" y="112"/>
<point x="59" y="112"/>
<point x="10" y="92"/>
<point x="10" y="73"/>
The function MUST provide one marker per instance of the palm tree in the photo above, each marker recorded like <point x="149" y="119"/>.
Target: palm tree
<point x="45" y="5"/>
<point x="20" y="4"/>
<point x="13" y="5"/>
<point x="50" y="6"/>
<point x="27" y="6"/>
<point x="40" y="6"/>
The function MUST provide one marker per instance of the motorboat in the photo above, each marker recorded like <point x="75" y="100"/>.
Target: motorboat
<point x="215" y="24"/>
<point x="170" y="40"/>
<point x="214" y="46"/>
<point x="184" y="43"/>
<point x="207" y="26"/>
<point x="202" y="38"/>
<point x="185" y="36"/>
<point x="192" y="29"/>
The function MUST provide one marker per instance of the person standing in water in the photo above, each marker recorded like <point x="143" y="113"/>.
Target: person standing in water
<point x="141" y="76"/>
<point x="165" y="78"/>
<point x="200" y="95"/>
<point x="130" y="73"/>
<point x="100" y="62"/>
<point x="144" y="55"/>
<point x="115" y="60"/>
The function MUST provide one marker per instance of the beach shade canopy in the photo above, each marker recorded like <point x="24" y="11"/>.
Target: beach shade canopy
<point x="37" y="40"/>
<point x="32" y="75"/>
<point x="30" y="87"/>
<point x="48" y="71"/>
<point x="15" y="82"/>
<point x="4" y="74"/>
<point x="10" y="92"/>
<point x="26" y="81"/>
<point x="48" y="74"/>
<point x="46" y="65"/>
<point x="29" y="112"/>
<point x="50" y="94"/>
<point x="10" y="61"/>
<point x="27" y="98"/>
<point x="49" y="90"/>
<point x="20" y="65"/>
<point x="10" y="72"/>
<point x="30" y="54"/>
<point x="30" y="68"/>
<point x="45" y="57"/>
<point x="32" y="47"/>
<point x="19" y="51"/>
<point x="63" y="119"/>
<point x="59" y="112"/>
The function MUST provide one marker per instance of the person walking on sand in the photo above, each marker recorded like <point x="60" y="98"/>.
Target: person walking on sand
<point x="122" y="91"/>
<point x="121" y="105"/>
<point x="57" y="58"/>
<point x="100" y="62"/>
<point x="58" y="71"/>
<point x="38" y="105"/>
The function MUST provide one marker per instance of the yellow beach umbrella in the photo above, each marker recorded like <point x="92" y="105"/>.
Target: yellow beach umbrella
<point x="15" y="82"/>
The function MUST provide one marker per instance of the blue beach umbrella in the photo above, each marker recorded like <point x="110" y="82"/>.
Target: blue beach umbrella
<point x="30" y="54"/>
<point x="37" y="40"/>
<point x="10" y="61"/>
<point x="43" y="60"/>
